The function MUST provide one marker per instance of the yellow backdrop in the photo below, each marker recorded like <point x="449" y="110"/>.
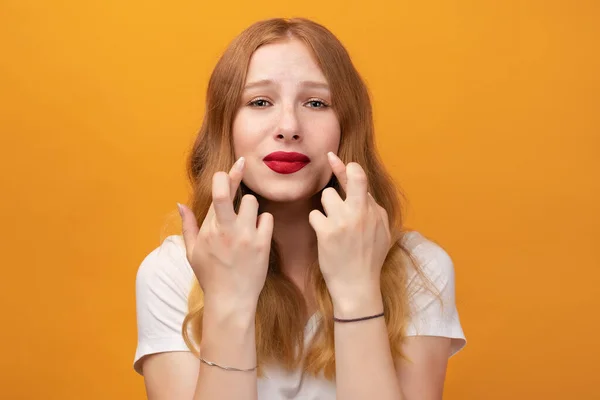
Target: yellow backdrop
<point x="487" y="113"/>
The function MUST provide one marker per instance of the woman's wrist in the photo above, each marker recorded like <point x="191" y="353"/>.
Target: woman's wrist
<point x="357" y="304"/>
<point x="228" y="336"/>
<point x="226" y="312"/>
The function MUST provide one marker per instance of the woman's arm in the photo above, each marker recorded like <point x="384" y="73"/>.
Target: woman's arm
<point x="229" y="256"/>
<point x="227" y="339"/>
<point x="364" y="365"/>
<point x="422" y="374"/>
<point x="354" y="238"/>
<point x="434" y="333"/>
<point x="363" y="360"/>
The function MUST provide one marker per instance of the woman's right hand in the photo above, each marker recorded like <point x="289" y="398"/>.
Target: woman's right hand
<point x="229" y="253"/>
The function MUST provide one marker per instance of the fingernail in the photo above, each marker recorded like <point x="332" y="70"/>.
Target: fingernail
<point x="240" y="163"/>
<point x="331" y="156"/>
<point x="180" y="210"/>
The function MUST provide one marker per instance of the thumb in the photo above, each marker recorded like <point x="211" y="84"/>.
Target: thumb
<point x="189" y="227"/>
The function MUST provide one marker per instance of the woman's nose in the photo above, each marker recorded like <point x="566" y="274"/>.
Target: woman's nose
<point x="289" y="124"/>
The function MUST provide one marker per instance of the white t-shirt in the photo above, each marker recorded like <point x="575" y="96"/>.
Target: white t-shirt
<point x="165" y="277"/>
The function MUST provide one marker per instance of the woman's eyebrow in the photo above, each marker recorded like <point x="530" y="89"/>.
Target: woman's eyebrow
<point x="260" y="83"/>
<point x="315" y="85"/>
<point x="269" y="82"/>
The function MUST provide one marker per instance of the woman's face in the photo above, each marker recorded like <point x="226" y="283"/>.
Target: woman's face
<point x="285" y="107"/>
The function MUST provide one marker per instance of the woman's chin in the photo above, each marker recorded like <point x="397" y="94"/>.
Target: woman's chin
<point x="292" y="193"/>
<point x="287" y="190"/>
<point x="280" y="196"/>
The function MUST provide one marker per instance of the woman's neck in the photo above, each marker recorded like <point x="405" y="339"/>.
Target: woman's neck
<point x="295" y="237"/>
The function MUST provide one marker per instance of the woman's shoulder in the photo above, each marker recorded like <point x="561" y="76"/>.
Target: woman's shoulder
<point x="163" y="282"/>
<point x="166" y="266"/>
<point x="431" y="258"/>
<point x="431" y="289"/>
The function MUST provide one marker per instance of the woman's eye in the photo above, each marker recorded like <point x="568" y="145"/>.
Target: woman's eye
<point x="259" y="103"/>
<point x="316" y="104"/>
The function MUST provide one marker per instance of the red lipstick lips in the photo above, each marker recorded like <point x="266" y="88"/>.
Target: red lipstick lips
<point x="286" y="163"/>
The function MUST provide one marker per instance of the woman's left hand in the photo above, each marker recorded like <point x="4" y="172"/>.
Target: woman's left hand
<point x="353" y="242"/>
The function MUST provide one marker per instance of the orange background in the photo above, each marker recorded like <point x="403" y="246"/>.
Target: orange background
<point x="487" y="113"/>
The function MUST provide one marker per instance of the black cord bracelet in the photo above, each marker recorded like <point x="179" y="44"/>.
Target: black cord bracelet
<point x="358" y="319"/>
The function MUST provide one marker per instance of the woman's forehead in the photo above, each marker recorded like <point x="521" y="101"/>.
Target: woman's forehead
<point x="289" y="60"/>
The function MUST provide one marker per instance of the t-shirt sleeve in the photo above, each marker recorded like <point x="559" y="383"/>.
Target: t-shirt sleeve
<point x="432" y="300"/>
<point x="163" y="282"/>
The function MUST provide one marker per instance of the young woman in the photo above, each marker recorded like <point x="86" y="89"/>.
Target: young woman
<point x="294" y="277"/>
